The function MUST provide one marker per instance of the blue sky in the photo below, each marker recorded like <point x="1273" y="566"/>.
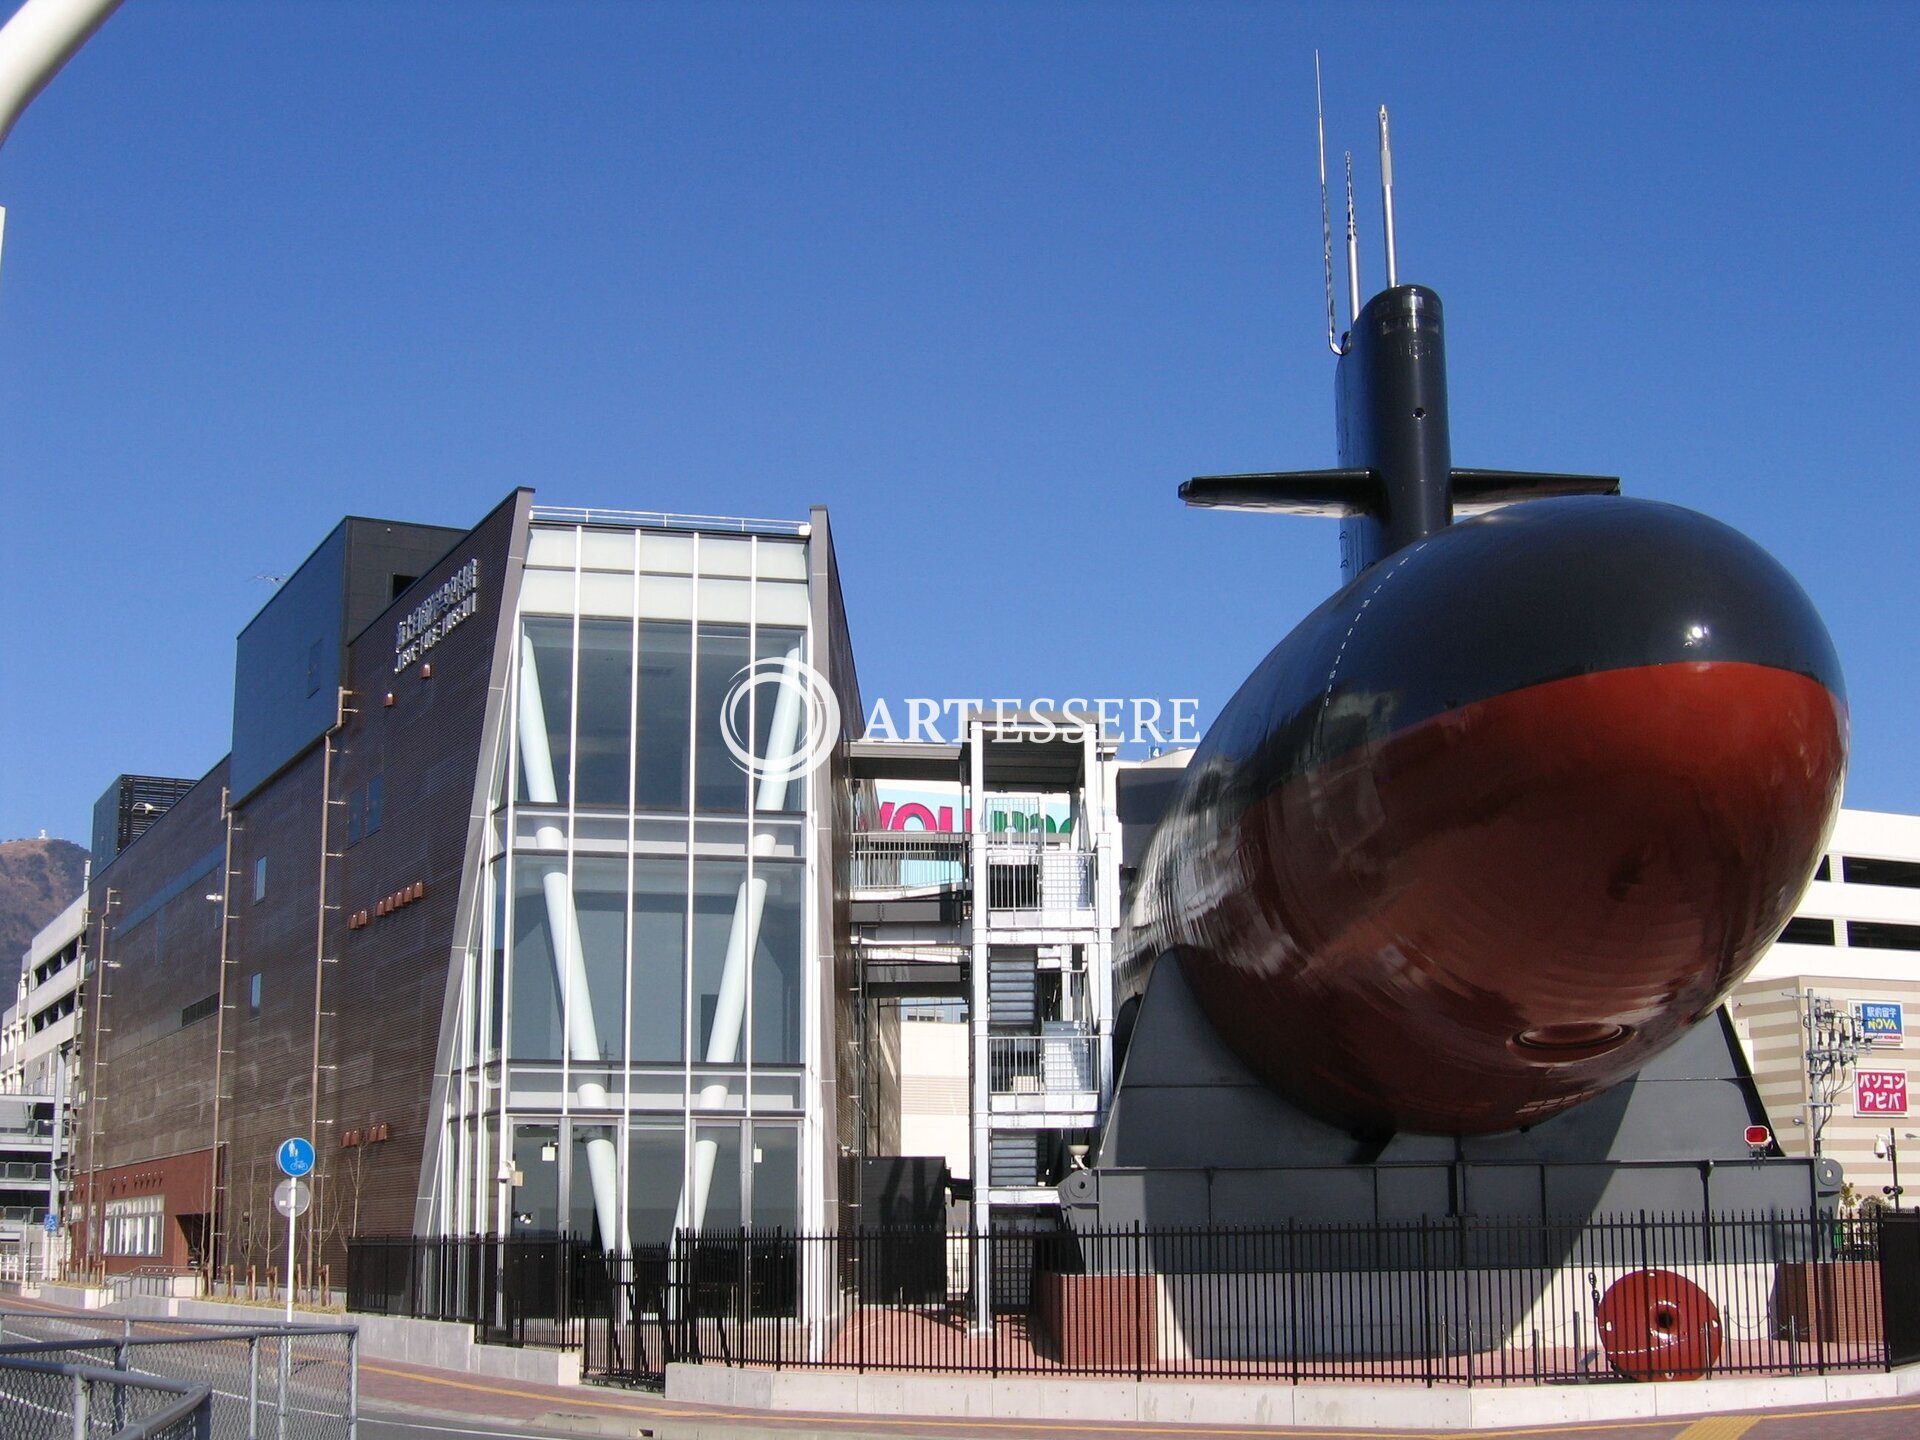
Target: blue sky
<point x="987" y="280"/>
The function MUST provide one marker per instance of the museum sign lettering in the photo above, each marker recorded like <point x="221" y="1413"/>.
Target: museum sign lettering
<point x="457" y="599"/>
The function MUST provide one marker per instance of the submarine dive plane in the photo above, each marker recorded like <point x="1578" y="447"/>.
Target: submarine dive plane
<point x="1518" y="804"/>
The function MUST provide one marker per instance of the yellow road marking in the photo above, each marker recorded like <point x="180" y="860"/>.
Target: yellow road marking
<point x="1719" y="1427"/>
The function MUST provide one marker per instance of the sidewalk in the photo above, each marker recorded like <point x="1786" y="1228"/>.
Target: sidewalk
<point x="593" y="1410"/>
<point x="1737" y="1410"/>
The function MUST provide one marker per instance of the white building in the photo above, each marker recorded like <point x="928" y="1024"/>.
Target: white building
<point x="985" y="914"/>
<point x="1853" y="945"/>
<point x="38" y="1059"/>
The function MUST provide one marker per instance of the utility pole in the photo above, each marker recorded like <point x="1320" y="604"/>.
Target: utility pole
<point x="1834" y="1045"/>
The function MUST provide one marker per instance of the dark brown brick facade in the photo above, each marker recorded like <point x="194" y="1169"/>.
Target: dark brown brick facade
<point x="390" y="987"/>
<point x="147" y="1057"/>
<point x="381" y="986"/>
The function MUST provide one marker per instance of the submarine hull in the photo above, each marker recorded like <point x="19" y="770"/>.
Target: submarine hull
<point x="1504" y="817"/>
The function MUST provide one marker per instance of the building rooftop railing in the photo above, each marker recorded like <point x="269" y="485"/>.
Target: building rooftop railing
<point x="908" y="860"/>
<point x="666" y="520"/>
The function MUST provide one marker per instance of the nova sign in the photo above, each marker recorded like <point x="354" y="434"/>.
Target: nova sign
<point x="433" y="619"/>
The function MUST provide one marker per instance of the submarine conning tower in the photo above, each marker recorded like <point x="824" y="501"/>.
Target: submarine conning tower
<point x="1390" y="404"/>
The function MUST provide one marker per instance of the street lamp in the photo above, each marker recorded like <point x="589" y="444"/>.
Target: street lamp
<point x="1888" y="1149"/>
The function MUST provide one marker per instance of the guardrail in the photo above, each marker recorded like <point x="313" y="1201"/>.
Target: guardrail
<point x="52" y="1400"/>
<point x="1042" y="1064"/>
<point x="1038" y="876"/>
<point x="298" y="1382"/>
<point x="666" y="520"/>
<point x="908" y="860"/>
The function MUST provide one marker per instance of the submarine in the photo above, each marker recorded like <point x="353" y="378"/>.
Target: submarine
<point x="1516" y="807"/>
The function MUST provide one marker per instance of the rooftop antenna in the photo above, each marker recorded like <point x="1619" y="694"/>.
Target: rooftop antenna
<point x="1386" y="197"/>
<point x="1334" y="342"/>
<point x="1353" y="253"/>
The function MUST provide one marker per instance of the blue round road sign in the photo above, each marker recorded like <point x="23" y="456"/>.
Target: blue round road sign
<point x="296" y="1157"/>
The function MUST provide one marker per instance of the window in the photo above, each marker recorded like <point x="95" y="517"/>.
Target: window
<point x="199" y="1010"/>
<point x="1883" y="935"/>
<point x="1824" y="870"/>
<point x="546" y="681"/>
<point x="259" y="879"/>
<point x="54" y="1013"/>
<point x="605" y="723"/>
<point x="659" y="922"/>
<point x="666" y="698"/>
<point x="1858" y="871"/>
<point x="366" y="810"/>
<point x="253" y="996"/>
<point x="776" y="1175"/>
<point x="1803" y="931"/>
<point x="776" y="965"/>
<point x="132" y="1226"/>
<point x="535" y="995"/>
<point x="719" y="780"/>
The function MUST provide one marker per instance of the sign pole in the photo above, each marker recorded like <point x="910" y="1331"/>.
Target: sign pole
<point x="296" y="1159"/>
<point x="293" y="1221"/>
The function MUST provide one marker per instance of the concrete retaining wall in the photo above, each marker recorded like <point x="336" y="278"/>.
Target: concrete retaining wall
<point x="1210" y="1402"/>
<point x="435" y="1343"/>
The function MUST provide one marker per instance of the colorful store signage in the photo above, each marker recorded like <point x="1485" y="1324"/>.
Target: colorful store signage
<point x="1882" y="1022"/>
<point x="1880" y="1092"/>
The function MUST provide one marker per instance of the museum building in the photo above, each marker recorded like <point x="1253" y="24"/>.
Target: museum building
<point x="481" y="902"/>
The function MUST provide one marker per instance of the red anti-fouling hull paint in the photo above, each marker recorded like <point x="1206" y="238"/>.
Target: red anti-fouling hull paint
<point x="1498" y="912"/>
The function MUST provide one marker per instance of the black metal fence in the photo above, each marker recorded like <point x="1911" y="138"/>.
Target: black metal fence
<point x="1459" y="1301"/>
<point x="518" y="1291"/>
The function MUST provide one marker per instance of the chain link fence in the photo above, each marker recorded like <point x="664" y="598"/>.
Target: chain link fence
<point x="47" y="1400"/>
<point x="278" y="1383"/>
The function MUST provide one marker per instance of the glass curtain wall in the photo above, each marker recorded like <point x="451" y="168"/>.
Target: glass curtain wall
<point x="643" y="992"/>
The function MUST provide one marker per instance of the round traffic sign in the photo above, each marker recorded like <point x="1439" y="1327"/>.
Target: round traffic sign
<point x="291" y="1197"/>
<point x="296" y="1156"/>
<point x="52" y="1222"/>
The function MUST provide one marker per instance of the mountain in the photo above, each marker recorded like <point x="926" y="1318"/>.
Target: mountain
<point x="38" y="879"/>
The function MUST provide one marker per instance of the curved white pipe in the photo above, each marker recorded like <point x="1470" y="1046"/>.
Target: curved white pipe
<point x="41" y="37"/>
<point x="563" y="926"/>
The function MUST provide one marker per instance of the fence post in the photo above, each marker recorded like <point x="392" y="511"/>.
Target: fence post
<point x="286" y="1369"/>
<point x="79" y="1408"/>
<point x="1426" y="1297"/>
<point x="353" y="1383"/>
<point x="1824" y="1278"/>
<point x="1293" y="1300"/>
<point x="1463" y="1272"/>
<point x="253" y="1387"/>
<point x="120" y="1363"/>
<point x="1133" y="1320"/>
